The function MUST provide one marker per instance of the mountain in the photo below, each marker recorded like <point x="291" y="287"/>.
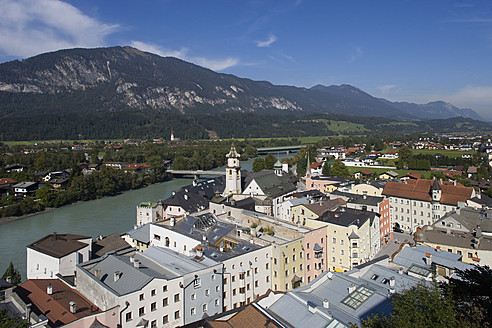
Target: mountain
<point x="434" y="110"/>
<point x="123" y="92"/>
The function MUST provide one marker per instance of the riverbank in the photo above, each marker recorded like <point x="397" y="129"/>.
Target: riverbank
<point x="8" y="219"/>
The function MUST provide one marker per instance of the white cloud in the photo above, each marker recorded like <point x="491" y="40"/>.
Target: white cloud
<point x="478" y="98"/>
<point x="30" y="27"/>
<point x="267" y="43"/>
<point x="384" y="89"/>
<point x="213" y="64"/>
<point x="356" y="55"/>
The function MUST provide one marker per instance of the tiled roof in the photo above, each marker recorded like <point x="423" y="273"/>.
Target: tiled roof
<point x="249" y="317"/>
<point x="325" y="205"/>
<point x="7" y="181"/>
<point x="109" y="243"/>
<point x="59" y="245"/>
<point x="421" y="190"/>
<point x="55" y="306"/>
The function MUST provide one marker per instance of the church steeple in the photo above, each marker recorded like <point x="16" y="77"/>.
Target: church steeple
<point x="233" y="173"/>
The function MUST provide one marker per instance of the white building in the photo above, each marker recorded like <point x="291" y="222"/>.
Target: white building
<point x="57" y="254"/>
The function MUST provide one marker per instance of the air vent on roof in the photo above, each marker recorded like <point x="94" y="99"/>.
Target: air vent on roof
<point x="49" y="289"/>
<point x="73" y="307"/>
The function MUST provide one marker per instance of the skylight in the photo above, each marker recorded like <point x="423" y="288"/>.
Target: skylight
<point x="357" y="297"/>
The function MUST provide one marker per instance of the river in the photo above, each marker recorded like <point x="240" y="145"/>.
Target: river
<point x="92" y="218"/>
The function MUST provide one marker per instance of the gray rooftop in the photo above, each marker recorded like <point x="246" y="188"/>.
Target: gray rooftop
<point x="409" y="256"/>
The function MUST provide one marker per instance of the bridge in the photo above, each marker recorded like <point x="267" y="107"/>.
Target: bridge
<point x="195" y="173"/>
<point x="280" y="149"/>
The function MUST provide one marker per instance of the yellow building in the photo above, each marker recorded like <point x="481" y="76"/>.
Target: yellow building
<point x="288" y="265"/>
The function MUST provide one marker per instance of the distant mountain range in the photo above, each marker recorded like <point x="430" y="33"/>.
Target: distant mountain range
<point x="121" y="92"/>
<point x="125" y="78"/>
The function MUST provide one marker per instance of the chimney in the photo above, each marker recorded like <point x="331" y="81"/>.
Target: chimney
<point x="400" y="271"/>
<point x="311" y="307"/>
<point x="132" y="258"/>
<point x="351" y="288"/>
<point x="428" y="259"/>
<point x="392" y="282"/>
<point x="136" y="263"/>
<point x="221" y="249"/>
<point x="329" y="275"/>
<point x="97" y="273"/>
<point x="49" y="289"/>
<point x="55" y="236"/>
<point x="117" y="275"/>
<point x="8" y="279"/>
<point x="28" y="312"/>
<point x="173" y="221"/>
<point x="326" y="304"/>
<point x="73" y="307"/>
<point x="204" y="237"/>
<point x="391" y="291"/>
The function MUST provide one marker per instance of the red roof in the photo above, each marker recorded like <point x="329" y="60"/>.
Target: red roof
<point x="4" y="181"/>
<point x="421" y="190"/>
<point x="56" y="306"/>
<point x="366" y="172"/>
<point x="316" y="165"/>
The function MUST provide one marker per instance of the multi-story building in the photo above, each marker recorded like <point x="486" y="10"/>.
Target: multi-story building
<point x="315" y="258"/>
<point x="288" y="265"/>
<point x="57" y="254"/>
<point x="465" y="231"/>
<point x="352" y="237"/>
<point x="416" y="203"/>
<point x="302" y="212"/>
<point x="149" y="212"/>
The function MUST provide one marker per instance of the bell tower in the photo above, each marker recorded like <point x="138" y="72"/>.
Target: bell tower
<point x="233" y="173"/>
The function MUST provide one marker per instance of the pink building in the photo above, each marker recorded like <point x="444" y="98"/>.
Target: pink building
<point x="385" y="221"/>
<point x="315" y="253"/>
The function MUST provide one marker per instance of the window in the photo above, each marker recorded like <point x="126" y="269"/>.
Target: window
<point x="241" y="276"/>
<point x="256" y="283"/>
<point x="334" y="240"/>
<point x="266" y="266"/>
<point x="234" y="292"/>
<point x="308" y="256"/>
<point x="207" y="292"/>
<point x="275" y="274"/>
<point x="193" y="296"/>
<point x="176" y="315"/>
<point x="212" y="277"/>
<point x="128" y="316"/>
<point x="217" y="288"/>
<point x="256" y="270"/>
<point x="341" y="242"/>
<point x="164" y="288"/>
<point x="157" y="237"/>
<point x="167" y="241"/>
<point x="192" y="311"/>
<point x="242" y="290"/>
<point x="165" y="302"/>
<point x="308" y="267"/>
<point x="176" y="298"/>
<point x="300" y="266"/>
<point x="153" y="306"/>
<point x="274" y="261"/>
<point x="204" y="307"/>
<point x="307" y="246"/>
<point x="333" y="249"/>
<point x="216" y="302"/>
<point x="196" y="283"/>
<point x="141" y="297"/>
<point x="153" y="292"/>
<point x="233" y="278"/>
<point x="267" y="278"/>
<point x="165" y="319"/>
<point x="141" y="311"/>
<point x="341" y="252"/>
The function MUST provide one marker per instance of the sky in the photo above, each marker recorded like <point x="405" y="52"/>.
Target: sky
<point x="402" y="50"/>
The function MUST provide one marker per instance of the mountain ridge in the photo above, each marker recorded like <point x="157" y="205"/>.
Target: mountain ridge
<point x="125" y="78"/>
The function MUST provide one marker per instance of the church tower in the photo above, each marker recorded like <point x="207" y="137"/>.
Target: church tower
<point x="233" y="173"/>
<point x="172" y="134"/>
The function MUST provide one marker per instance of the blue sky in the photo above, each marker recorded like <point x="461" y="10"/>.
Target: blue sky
<point x="413" y="50"/>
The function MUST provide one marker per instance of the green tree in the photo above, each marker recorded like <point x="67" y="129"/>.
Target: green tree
<point x="11" y="322"/>
<point x="270" y="161"/>
<point x="326" y="169"/>
<point x="258" y="164"/>
<point x="13" y="273"/>
<point x="405" y="154"/>
<point x="338" y="169"/>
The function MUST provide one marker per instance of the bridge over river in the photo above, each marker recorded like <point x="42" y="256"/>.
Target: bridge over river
<point x="280" y="149"/>
<point x="194" y="173"/>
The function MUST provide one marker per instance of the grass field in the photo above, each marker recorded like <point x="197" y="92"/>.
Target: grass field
<point x="449" y="153"/>
<point x="352" y="169"/>
<point x="32" y="142"/>
<point x="343" y="126"/>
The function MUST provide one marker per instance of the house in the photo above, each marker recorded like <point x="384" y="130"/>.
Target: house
<point x="15" y="168"/>
<point x="472" y="171"/>
<point x="364" y="174"/>
<point x="416" y="203"/>
<point x="149" y="212"/>
<point x="25" y="188"/>
<point x="372" y="188"/>
<point x="6" y="186"/>
<point x="351" y="235"/>
<point x="339" y="299"/>
<point x="314" y="210"/>
<point x="57" y="254"/>
<point x="61" y="305"/>
<point x="411" y="176"/>
<point x="388" y="175"/>
<point x="465" y="232"/>
<point x="316" y="168"/>
<point x="390" y="155"/>
<point x="111" y="243"/>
